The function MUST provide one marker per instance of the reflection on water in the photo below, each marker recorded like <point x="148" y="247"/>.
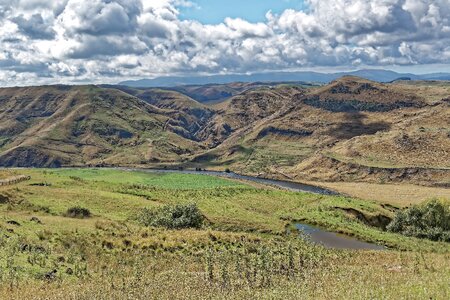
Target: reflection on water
<point x="334" y="240"/>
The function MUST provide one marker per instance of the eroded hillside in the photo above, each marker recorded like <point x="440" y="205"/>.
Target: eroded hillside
<point x="57" y="126"/>
<point x="349" y="130"/>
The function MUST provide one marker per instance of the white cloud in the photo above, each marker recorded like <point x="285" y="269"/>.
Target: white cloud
<point x="103" y="40"/>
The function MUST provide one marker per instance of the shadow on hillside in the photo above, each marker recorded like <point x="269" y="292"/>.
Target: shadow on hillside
<point x="354" y="126"/>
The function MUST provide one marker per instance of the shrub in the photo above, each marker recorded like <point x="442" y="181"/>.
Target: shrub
<point x="430" y="221"/>
<point x="4" y="199"/>
<point x="172" y="217"/>
<point x="78" y="212"/>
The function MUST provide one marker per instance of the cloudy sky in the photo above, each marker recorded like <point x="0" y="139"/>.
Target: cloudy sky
<point x="73" y="41"/>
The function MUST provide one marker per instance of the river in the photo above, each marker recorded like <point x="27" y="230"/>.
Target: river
<point x="314" y="234"/>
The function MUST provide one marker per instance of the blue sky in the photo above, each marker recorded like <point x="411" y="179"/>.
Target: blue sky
<point x="215" y="11"/>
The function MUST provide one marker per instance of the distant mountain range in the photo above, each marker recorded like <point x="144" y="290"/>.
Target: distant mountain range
<point x="375" y="75"/>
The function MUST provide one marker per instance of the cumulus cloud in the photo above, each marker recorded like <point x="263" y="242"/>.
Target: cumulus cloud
<point x="34" y="27"/>
<point x="104" y="40"/>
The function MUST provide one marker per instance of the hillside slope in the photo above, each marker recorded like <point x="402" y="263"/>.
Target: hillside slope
<point x="54" y="126"/>
<point x="349" y="130"/>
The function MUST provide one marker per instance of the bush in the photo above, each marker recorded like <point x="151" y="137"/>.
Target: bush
<point x="4" y="199"/>
<point x="172" y="217"/>
<point x="430" y="221"/>
<point x="78" y="212"/>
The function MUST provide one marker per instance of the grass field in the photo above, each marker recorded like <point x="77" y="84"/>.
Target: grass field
<point x="242" y="251"/>
<point x="160" y="180"/>
<point x="399" y="195"/>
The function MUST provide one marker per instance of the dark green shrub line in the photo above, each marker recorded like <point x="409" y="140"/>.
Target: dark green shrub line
<point x="172" y="217"/>
<point x="430" y="221"/>
<point x="78" y="212"/>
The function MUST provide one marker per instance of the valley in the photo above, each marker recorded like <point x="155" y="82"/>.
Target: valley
<point x="115" y="192"/>
<point x="209" y="150"/>
<point x="351" y="130"/>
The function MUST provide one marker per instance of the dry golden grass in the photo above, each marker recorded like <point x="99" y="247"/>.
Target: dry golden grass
<point x="111" y="256"/>
<point x="396" y="194"/>
<point x="5" y="174"/>
<point x="431" y="91"/>
<point x="392" y="275"/>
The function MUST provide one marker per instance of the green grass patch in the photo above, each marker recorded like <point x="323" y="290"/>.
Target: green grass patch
<point x="173" y="181"/>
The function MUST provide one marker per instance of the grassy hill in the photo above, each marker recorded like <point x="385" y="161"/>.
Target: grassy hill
<point x="349" y="130"/>
<point x="56" y="126"/>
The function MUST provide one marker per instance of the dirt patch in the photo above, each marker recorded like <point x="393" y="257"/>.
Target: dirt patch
<point x="4" y="198"/>
<point x="379" y="221"/>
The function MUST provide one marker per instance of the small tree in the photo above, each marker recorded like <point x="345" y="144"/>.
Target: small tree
<point x="431" y="221"/>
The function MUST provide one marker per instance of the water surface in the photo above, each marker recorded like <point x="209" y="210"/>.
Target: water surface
<point x="316" y="235"/>
<point x="334" y="240"/>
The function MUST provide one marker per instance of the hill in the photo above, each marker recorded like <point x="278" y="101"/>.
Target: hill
<point x="61" y="125"/>
<point x="351" y="129"/>
<point x="305" y="76"/>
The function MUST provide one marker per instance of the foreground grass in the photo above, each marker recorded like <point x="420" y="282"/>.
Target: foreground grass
<point x="242" y="252"/>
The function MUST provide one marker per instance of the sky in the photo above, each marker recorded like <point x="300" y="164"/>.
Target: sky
<point x="216" y="11"/>
<point x="107" y="41"/>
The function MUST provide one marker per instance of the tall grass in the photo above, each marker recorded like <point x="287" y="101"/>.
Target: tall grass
<point x="241" y="252"/>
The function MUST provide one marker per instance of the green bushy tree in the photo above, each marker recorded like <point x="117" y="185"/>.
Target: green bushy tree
<point x="430" y="221"/>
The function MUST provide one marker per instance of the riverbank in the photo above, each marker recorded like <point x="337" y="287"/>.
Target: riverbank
<point x="398" y="195"/>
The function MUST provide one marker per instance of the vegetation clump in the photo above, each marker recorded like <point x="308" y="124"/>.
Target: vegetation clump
<point x="4" y="199"/>
<point x="78" y="212"/>
<point x="429" y="221"/>
<point x="172" y="216"/>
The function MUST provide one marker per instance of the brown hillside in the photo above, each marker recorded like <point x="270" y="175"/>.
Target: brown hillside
<point x="403" y="131"/>
<point x="351" y="94"/>
<point x="53" y="126"/>
<point x="349" y="130"/>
